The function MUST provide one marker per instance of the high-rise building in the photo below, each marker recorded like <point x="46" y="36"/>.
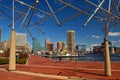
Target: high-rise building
<point x="36" y="45"/>
<point x="63" y="45"/>
<point x="47" y="41"/>
<point x="71" y="42"/>
<point x="6" y="45"/>
<point x="21" y="42"/>
<point x="21" y="39"/>
<point x="50" y="46"/>
<point x="60" y="45"/>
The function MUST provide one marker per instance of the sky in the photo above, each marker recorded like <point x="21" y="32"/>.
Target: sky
<point x="91" y="35"/>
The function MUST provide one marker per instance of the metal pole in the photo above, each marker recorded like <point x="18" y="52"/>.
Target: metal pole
<point x="107" y="53"/>
<point x="109" y="6"/>
<point x="13" y="14"/>
<point x="58" y="22"/>
<point x="25" y="18"/>
<point x="11" y="9"/>
<point x="68" y="19"/>
<point x="72" y="6"/>
<point x="103" y="9"/>
<point x="94" y="13"/>
<point x="50" y="15"/>
<point x="12" y="57"/>
<point x="32" y="6"/>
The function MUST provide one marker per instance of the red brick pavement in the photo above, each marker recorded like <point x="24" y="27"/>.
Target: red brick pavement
<point x="13" y="76"/>
<point x="92" y="70"/>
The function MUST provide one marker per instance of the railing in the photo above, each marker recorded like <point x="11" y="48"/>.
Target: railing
<point x="89" y="57"/>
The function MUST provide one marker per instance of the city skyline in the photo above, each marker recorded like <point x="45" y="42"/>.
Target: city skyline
<point x="90" y="36"/>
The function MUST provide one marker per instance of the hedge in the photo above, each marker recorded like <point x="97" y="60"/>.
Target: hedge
<point x="21" y="61"/>
<point x="18" y="61"/>
<point x="4" y="61"/>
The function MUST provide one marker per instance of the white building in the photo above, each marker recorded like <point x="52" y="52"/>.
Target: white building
<point x="21" y="39"/>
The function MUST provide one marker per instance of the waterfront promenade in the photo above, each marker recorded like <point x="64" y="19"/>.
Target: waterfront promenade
<point x="40" y="68"/>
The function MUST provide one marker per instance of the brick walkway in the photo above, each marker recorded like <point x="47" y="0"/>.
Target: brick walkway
<point x="5" y="75"/>
<point x="59" y="69"/>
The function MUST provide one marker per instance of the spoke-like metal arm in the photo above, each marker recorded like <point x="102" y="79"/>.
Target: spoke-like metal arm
<point x="70" y="18"/>
<point x="58" y="22"/>
<point x="32" y="13"/>
<point x="23" y="3"/>
<point x="19" y="16"/>
<point x="25" y="18"/>
<point x="11" y="9"/>
<point x="106" y="26"/>
<point x="109" y="7"/>
<point x="29" y="32"/>
<point x="37" y="28"/>
<point x="1" y="11"/>
<point x="37" y="23"/>
<point x="13" y="12"/>
<point x="27" y="12"/>
<point x="93" y="13"/>
<point x="63" y="2"/>
<point x="103" y="9"/>
<point x="118" y="8"/>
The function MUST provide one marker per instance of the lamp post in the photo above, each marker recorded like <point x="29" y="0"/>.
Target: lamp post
<point x="12" y="57"/>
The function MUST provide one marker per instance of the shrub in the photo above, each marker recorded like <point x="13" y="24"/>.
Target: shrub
<point x="4" y="61"/>
<point x="21" y="61"/>
<point x="18" y="61"/>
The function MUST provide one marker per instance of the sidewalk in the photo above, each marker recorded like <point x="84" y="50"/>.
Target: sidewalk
<point x="41" y="75"/>
<point x="45" y="75"/>
<point x="40" y="68"/>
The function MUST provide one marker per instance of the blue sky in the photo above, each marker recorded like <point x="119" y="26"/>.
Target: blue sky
<point x="91" y="35"/>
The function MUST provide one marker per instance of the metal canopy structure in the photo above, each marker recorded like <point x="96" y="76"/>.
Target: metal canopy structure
<point x="42" y="10"/>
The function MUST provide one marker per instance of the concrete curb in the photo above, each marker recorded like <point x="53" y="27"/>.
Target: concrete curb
<point x="44" y="75"/>
<point x="41" y="75"/>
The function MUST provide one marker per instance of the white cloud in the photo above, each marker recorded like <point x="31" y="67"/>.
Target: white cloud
<point x="94" y="36"/>
<point x="118" y="40"/>
<point x="114" y="34"/>
<point x="40" y="15"/>
<point x="95" y="45"/>
<point x="114" y="42"/>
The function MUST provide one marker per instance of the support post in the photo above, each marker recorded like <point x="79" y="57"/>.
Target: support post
<point x="12" y="57"/>
<point x="107" y="58"/>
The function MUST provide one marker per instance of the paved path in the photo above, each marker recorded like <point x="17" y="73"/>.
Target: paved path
<point x="41" y="75"/>
<point x="74" y="68"/>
